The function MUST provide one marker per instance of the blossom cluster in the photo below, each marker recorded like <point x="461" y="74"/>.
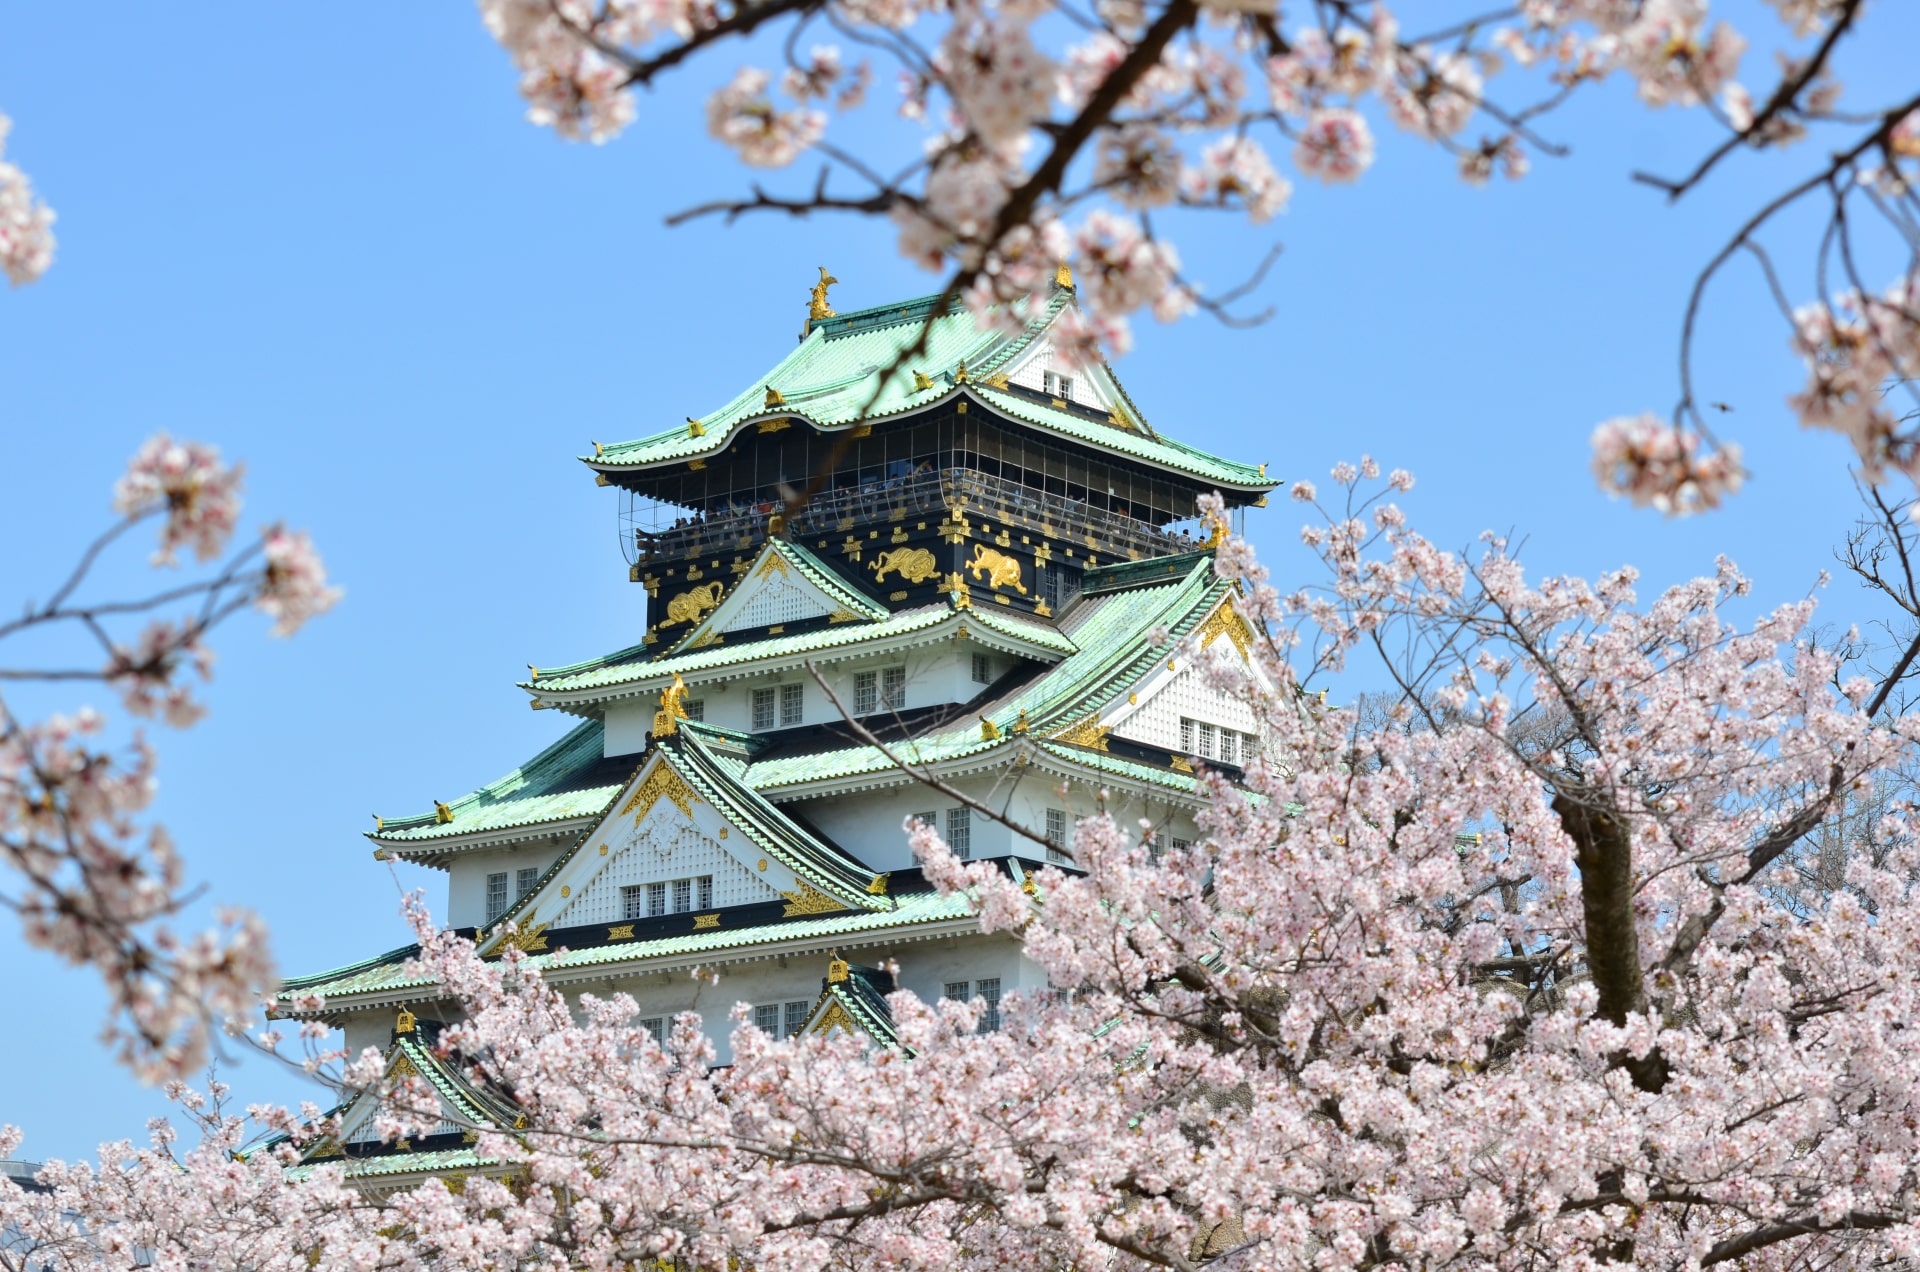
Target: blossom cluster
<point x="1493" y="979"/>
<point x="26" y="224"/>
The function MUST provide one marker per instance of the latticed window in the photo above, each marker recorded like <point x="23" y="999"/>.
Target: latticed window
<point x="657" y="1026"/>
<point x="656" y="900"/>
<point x="633" y="902"/>
<point x="958" y="991"/>
<point x="496" y="895"/>
<point x="763" y="716"/>
<point x="766" y="1018"/>
<point x="982" y="670"/>
<point x="989" y="989"/>
<point x="524" y="879"/>
<point x="893" y="688"/>
<point x="960" y="832"/>
<point x="866" y="692"/>
<point x="1205" y="734"/>
<point x="682" y="895"/>
<point x="793" y="702"/>
<point x="696" y="708"/>
<point x="703" y="891"/>
<point x="1186" y="735"/>
<point x="1057" y="837"/>
<point x="796" y="1016"/>
<point x="1229" y="747"/>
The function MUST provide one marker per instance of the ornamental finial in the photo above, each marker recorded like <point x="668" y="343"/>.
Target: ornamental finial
<point x="441" y="813"/>
<point x="836" y="969"/>
<point x="1063" y="277"/>
<point x="673" y="708"/>
<point x="404" y="1022"/>
<point x="817" y="307"/>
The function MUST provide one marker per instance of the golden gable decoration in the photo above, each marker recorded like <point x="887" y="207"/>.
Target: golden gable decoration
<point x="1227" y="621"/>
<point x="663" y="782"/>
<point x="807" y="899"/>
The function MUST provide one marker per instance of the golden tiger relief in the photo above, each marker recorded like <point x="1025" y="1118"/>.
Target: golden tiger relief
<point x="1001" y="570"/>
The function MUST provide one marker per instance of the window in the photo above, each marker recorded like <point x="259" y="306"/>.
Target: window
<point x="893" y="688"/>
<point x="796" y="1017"/>
<point x="866" y="692"/>
<point x="766" y="1018"/>
<point x="989" y="989"/>
<point x="1186" y="735"/>
<point x="958" y="991"/>
<point x="1052" y="585"/>
<point x="1206" y="740"/>
<point x="524" y="879"/>
<point x="633" y="902"/>
<point x="656" y="900"/>
<point x="982" y="670"/>
<point x="696" y="708"/>
<point x="762" y="709"/>
<point x="1057" y="837"/>
<point x="928" y="818"/>
<point x="1060" y="386"/>
<point x="960" y="832"/>
<point x="1228" y="750"/>
<point x="703" y="891"/>
<point x="793" y="701"/>
<point x="1179" y="843"/>
<point x="682" y="895"/>
<point x="657" y="1026"/>
<point x="496" y="895"/>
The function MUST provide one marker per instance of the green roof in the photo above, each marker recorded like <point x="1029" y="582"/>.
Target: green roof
<point x="832" y="380"/>
<point x="907" y="911"/>
<point x="1113" y="632"/>
<point x="640" y="665"/>
<point x="571" y="778"/>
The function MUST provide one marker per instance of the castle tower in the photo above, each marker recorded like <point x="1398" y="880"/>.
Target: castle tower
<point x="965" y="557"/>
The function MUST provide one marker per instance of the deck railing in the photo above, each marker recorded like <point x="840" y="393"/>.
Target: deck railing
<point x="938" y="491"/>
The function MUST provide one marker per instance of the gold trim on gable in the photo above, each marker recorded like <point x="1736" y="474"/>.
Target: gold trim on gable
<point x="807" y="899"/>
<point x="836" y="1017"/>
<point x="1226" y="621"/>
<point x="662" y="782"/>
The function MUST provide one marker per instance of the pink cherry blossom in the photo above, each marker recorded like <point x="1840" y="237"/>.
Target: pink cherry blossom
<point x="741" y="116"/>
<point x="1334" y="145"/>
<point x="1659" y="466"/>
<point x="185" y="481"/>
<point x="26" y="224"/>
<point x="295" y="589"/>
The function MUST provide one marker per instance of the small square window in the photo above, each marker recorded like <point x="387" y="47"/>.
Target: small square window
<point x="657" y="1026"/>
<point x="496" y="895"/>
<point x="682" y="895"/>
<point x="796" y="1017"/>
<point x="1179" y="844"/>
<point x="928" y="818"/>
<point x="524" y="879"/>
<point x="960" y="832"/>
<point x="982" y="670"/>
<point x="866" y="692"/>
<point x="656" y="900"/>
<point x="893" y="688"/>
<point x="766" y="1018"/>
<point x="793" y="699"/>
<point x="958" y="991"/>
<point x="763" y="709"/>
<point x="696" y="708"/>
<point x="989" y="989"/>
<point x="703" y="892"/>
<point x="633" y="902"/>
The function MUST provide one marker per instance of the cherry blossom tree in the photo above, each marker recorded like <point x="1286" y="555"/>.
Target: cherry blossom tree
<point x="91" y="879"/>
<point x="1492" y="974"/>
<point x="1067" y="131"/>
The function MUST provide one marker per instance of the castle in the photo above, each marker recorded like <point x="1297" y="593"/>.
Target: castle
<point x="917" y="547"/>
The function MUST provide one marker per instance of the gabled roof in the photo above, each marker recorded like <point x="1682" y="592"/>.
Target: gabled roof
<point x="679" y="769"/>
<point x="638" y="670"/>
<point x="831" y="380"/>
<point x="778" y="562"/>
<point x="854" y="999"/>
<point x="569" y="781"/>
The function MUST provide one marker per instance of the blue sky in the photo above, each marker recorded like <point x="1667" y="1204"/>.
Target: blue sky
<point x="325" y="239"/>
